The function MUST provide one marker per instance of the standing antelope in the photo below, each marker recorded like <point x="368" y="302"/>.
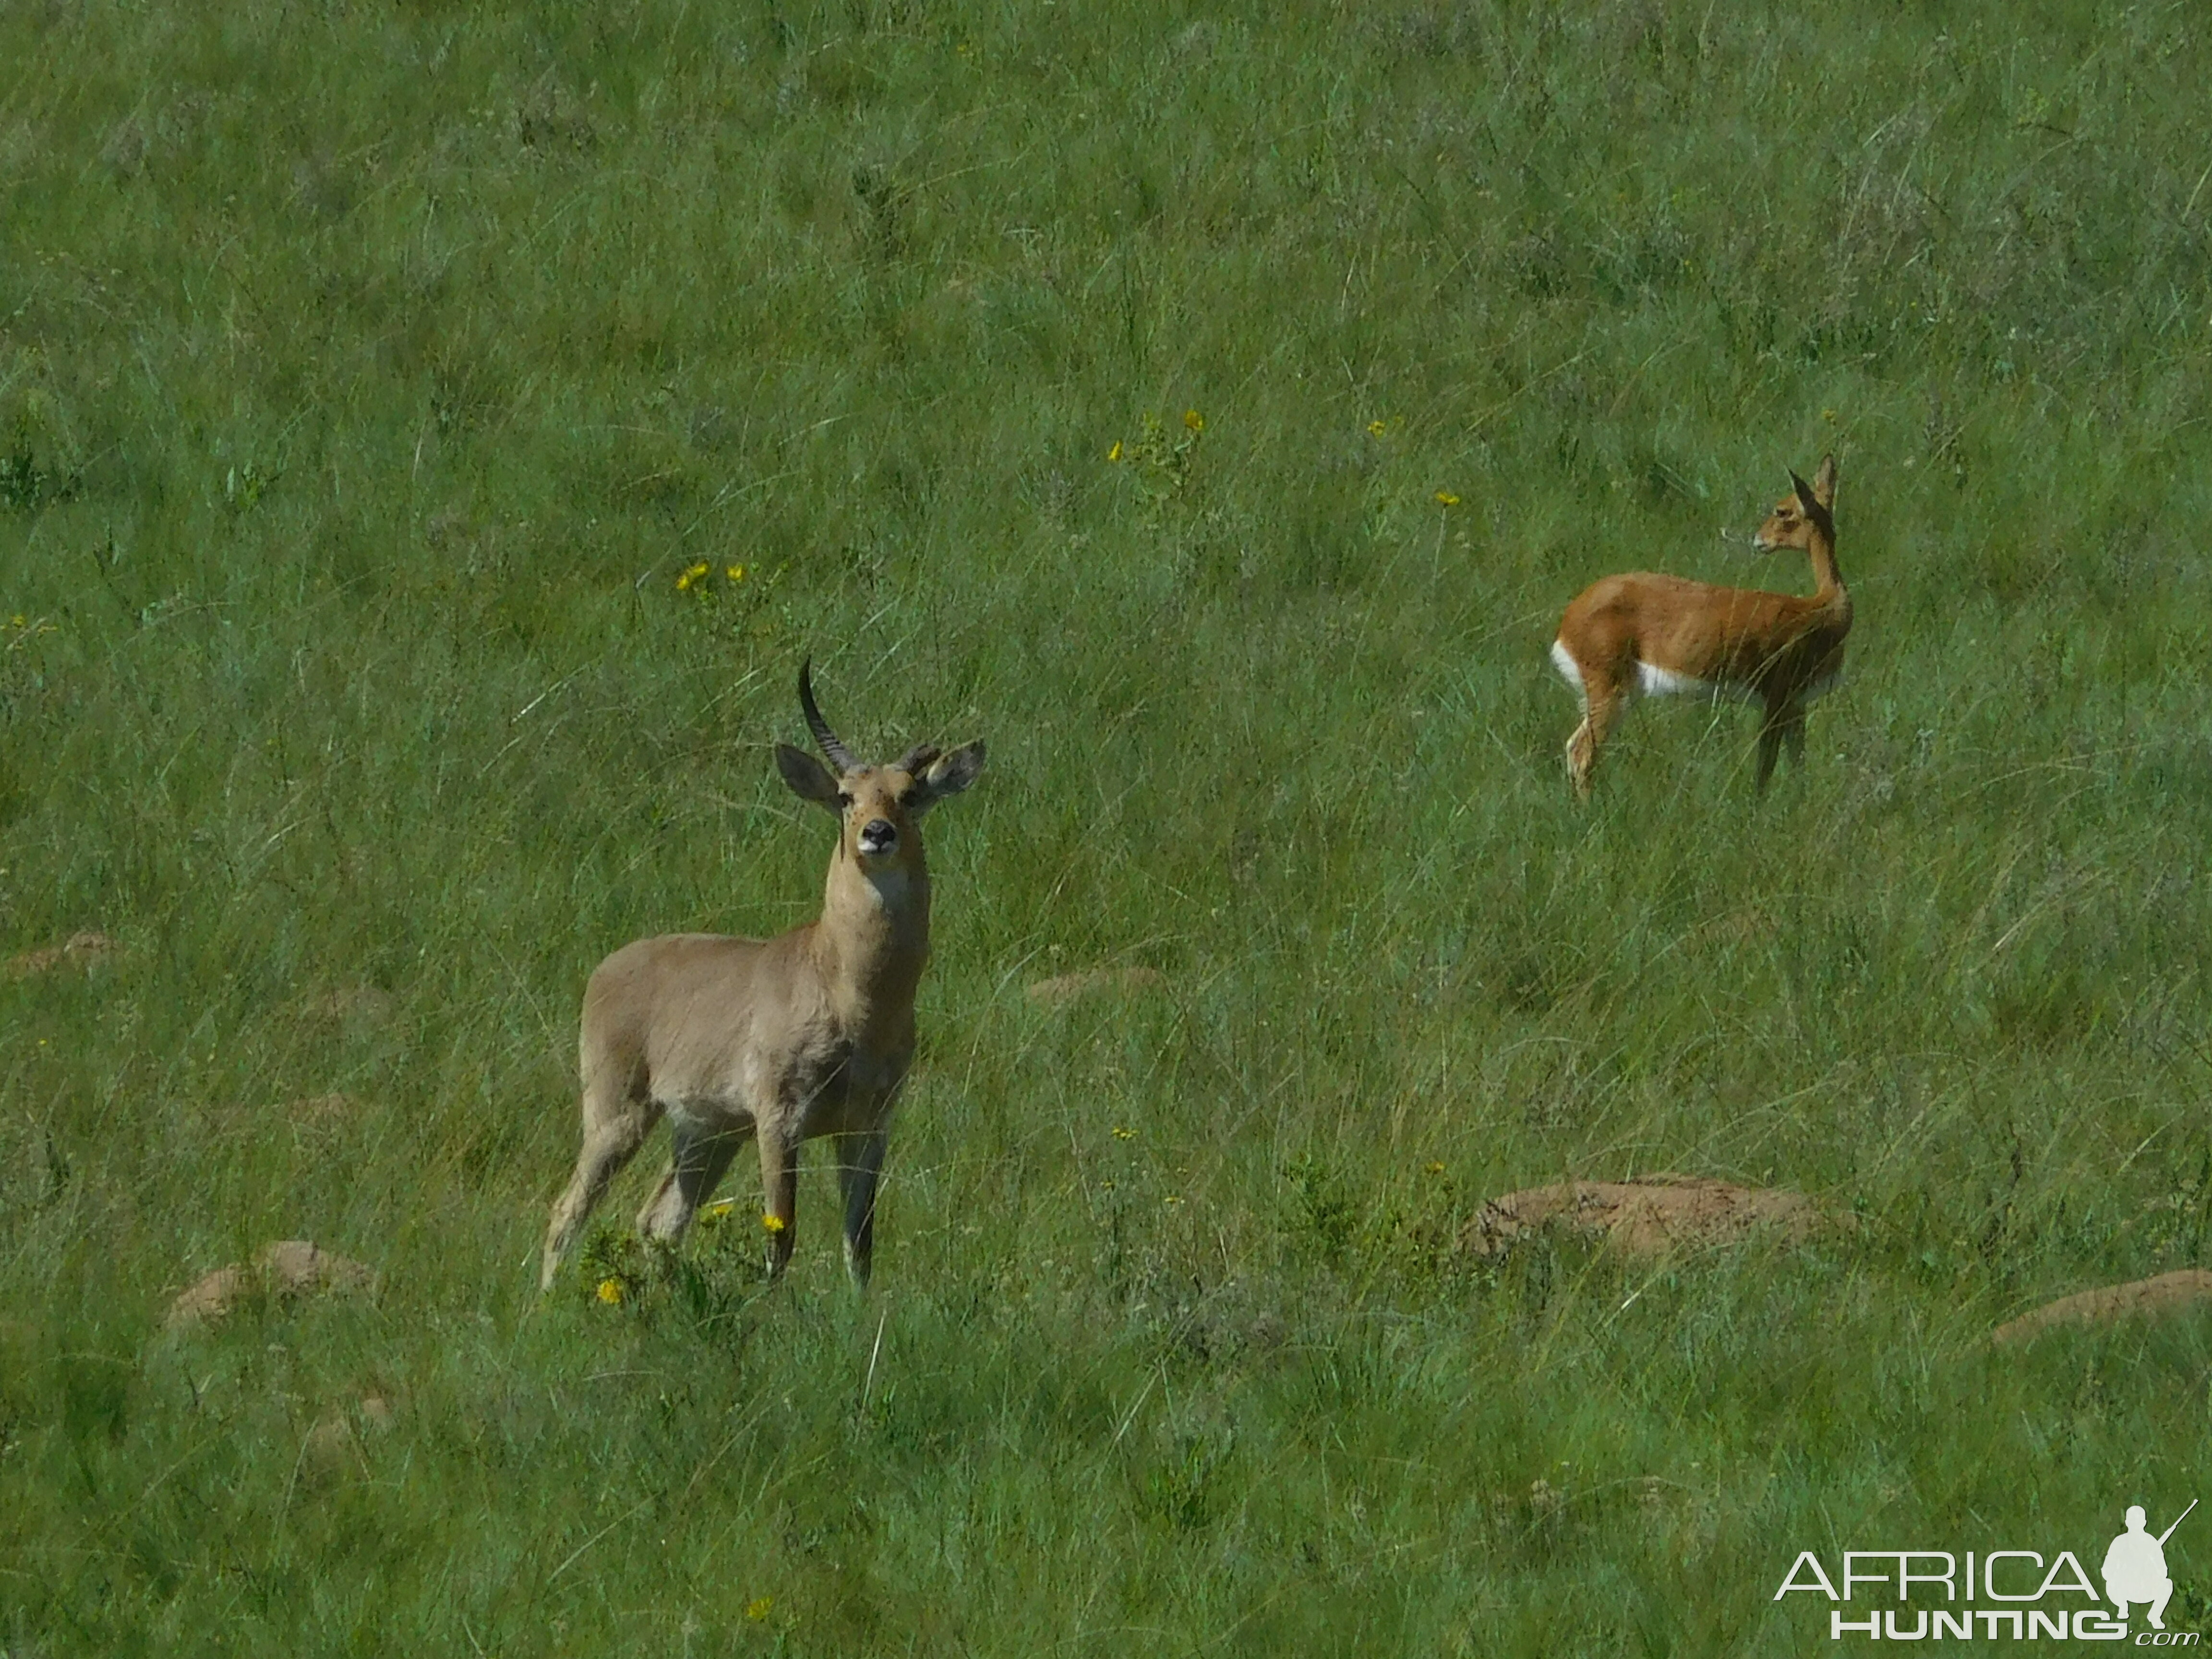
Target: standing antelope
<point x="1656" y="634"/>
<point x="782" y="1039"/>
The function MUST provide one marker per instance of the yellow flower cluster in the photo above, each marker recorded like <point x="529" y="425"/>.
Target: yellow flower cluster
<point x="773" y="1222"/>
<point x="22" y="627"/>
<point x="695" y="577"/>
<point x="610" y="1291"/>
<point x="1163" y="468"/>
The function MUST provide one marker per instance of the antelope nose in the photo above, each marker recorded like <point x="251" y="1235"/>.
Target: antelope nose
<point x="878" y="836"/>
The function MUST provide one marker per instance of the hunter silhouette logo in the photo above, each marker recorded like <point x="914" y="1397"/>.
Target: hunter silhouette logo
<point x="2135" y="1566"/>
<point x="2020" y="1595"/>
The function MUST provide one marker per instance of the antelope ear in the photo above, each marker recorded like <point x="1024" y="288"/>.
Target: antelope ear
<point x="1824" y="483"/>
<point x="1805" y="498"/>
<point x="810" y="780"/>
<point x="948" y="775"/>
<point x="916" y="758"/>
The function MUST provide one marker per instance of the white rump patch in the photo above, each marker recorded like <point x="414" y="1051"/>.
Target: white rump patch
<point x="1563" y="661"/>
<point x="1653" y="681"/>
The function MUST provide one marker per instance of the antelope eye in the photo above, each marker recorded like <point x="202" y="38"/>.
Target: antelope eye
<point x="844" y="801"/>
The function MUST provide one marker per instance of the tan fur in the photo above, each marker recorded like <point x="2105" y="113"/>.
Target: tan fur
<point x="780" y="1040"/>
<point x="1776" y="649"/>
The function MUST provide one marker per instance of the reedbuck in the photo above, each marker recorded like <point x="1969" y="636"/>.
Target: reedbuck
<point x="781" y="1040"/>
<point x="1658" y="635"/>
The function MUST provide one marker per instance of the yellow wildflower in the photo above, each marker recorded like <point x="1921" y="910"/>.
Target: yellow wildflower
<point x="1827" y="414"/>
<point x="684" y="582"/>
<point x="610" y="1290"/>
<point x="758" y="1607"/>
<point x="1120" y="1133"/>
<point x="1445" y="498"/>
<point x="773" y="1222"/>
<point x="1114" y="453"/>
<point x="736" y="573"/>
<point x="1434" y="1168"/>
<point x="1377" y="428"/>
<point x="1194" y="420"/>
<point x="1175" y="1198"/>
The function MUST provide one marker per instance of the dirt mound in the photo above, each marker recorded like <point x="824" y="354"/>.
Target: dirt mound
<point x="291" y="1267"/>
<point x="79" y="950"/>
<point x="1647" y="1217"/>
<point x="1066" y="987"/>
<point x="2110" y="1303"/>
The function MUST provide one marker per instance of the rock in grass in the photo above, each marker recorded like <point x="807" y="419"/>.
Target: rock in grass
<point x="1066" y="987"/>
<point x="2111" y="1303"/>
<point x="289" y="1268"/>
<point x="1647" y="1217"/>
<point x="79" y="950"/>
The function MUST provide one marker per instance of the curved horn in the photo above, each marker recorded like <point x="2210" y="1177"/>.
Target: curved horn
<point x="840" y="756"/>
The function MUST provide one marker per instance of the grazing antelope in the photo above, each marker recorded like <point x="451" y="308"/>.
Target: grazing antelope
<point x="781" y="1040"/>
<point x="1658" y="635"/>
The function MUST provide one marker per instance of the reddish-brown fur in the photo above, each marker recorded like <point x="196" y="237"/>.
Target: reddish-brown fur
<point x="1776" y="649"/>
<point x="777" y="1041"/>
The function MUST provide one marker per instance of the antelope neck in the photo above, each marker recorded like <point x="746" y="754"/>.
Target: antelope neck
<point x="874" y="928"/>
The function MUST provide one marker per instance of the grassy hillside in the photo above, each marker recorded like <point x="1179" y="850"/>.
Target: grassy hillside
<point x="1212" y="407"/>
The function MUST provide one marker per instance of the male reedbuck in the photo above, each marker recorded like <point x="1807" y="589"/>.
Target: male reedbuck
<point x="1658" y="635"/>
<point x="781" y="1040"/>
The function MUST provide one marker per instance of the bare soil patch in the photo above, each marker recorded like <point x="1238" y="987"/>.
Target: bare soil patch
<point x="1066" y="987"/>
<point x="339" y="1440"/>
<point x="79" y="950"/>
<point x="354" y="1005"/>
<point x="322" y="1111"/>
<point x="1646" y="1217"/>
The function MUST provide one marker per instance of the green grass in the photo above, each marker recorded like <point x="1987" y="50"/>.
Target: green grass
<point x="368" y="375"/>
